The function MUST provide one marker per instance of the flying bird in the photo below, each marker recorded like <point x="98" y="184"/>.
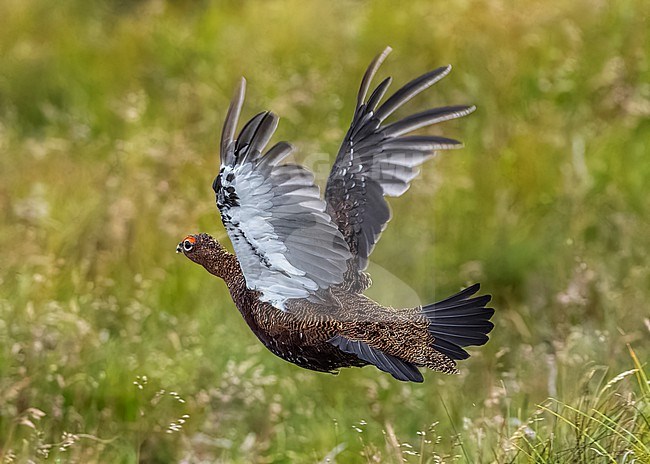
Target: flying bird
<point x="298" y="272"/>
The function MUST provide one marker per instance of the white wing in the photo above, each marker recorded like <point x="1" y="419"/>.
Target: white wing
<point x="287" y="245"/>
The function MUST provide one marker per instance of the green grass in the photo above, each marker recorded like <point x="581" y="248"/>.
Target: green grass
<point x="114" y="349"/>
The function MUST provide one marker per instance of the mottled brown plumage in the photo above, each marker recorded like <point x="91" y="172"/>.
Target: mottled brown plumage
<point x="302" y="334"/>
<point x="298" y="274"/>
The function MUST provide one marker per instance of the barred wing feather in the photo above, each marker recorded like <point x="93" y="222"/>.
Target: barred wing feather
<point x="286" y="243"/>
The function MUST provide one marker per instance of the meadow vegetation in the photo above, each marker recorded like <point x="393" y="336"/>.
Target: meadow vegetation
<point x="115" y="349"/>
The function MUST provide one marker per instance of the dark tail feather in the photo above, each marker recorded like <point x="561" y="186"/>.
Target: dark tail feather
<point x="459" y="321"/>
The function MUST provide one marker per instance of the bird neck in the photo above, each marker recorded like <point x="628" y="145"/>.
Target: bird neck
<point x="223" y="264"/>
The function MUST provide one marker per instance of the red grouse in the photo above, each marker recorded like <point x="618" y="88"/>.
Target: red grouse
<point x="297" y="275"/>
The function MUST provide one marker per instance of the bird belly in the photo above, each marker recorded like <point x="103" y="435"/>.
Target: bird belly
<point x="299" y="336"/>
<point x="322" y="357"/>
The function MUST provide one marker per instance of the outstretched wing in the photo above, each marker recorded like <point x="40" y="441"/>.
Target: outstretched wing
<point x="377" y="159"/>
<point x="286" y="243"/>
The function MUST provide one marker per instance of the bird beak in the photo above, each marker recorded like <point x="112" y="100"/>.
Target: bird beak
<point x="179" y="248"/>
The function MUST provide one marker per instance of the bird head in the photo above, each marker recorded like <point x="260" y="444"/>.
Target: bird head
<point x="187" y="244"/>
<point x="202" y="249"/>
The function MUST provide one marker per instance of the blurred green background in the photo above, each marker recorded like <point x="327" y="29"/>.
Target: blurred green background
<point x="115" y="349"/>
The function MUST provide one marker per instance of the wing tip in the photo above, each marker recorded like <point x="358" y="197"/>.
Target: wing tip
<point x="240" y="90"/>
<point x="232" y="117"/>
<point x="370" y="74"/>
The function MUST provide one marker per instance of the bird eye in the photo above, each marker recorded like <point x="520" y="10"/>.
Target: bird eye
<point x="187" y="245"/>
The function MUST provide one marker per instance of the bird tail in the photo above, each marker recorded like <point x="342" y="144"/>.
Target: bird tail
<point x="459" y="321"/>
